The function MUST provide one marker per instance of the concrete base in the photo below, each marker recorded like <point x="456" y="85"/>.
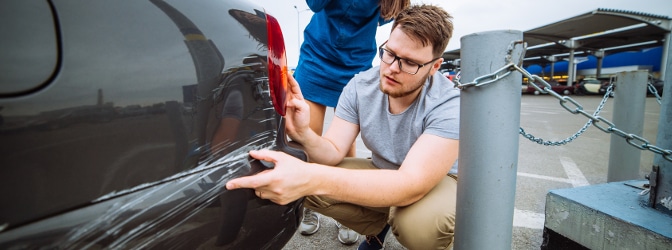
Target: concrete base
<point x="605" y="216"/>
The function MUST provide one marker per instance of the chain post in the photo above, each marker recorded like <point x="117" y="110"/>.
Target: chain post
<point x="490" y="181"/>
<point x="663" y="162"/>
<point x="628" y="115"/>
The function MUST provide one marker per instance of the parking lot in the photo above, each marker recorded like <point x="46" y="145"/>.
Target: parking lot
<point x="540" y="168"/>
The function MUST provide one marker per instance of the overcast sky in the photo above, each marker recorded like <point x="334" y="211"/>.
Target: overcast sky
<point x="469" y="16"/>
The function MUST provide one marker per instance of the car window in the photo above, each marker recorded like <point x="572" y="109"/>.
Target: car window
<point x="28" y="48"/>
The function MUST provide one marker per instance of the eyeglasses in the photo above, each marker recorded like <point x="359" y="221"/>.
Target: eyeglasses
<point x="405" y="65"/>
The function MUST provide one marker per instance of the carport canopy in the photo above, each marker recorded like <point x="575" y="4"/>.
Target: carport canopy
<point x="598" y="33"/>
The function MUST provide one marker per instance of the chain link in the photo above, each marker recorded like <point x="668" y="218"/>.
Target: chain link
<point x="655" y="92"/>
<point x="498" y="74"/>
<point x="485" y="79"/>
<point x="594" y="119"/>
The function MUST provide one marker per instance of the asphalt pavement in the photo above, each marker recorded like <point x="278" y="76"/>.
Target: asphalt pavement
<point x="584" y="161"/>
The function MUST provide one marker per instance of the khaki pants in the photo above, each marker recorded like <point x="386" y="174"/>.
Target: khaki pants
<point x="425" y="224"/>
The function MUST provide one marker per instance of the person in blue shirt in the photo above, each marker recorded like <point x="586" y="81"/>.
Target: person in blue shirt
<point x="339" y="42"/>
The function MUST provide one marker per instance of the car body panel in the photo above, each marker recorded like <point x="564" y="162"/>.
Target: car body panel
<point x="591" y="86"/>
<point x="152" y="108"/>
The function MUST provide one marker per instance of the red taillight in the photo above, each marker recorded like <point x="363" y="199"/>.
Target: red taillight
<point x="277" y="65"/>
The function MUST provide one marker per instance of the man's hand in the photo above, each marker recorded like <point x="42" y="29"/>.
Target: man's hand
<point x="286" y="182"/>
<point x="298" y="112"/>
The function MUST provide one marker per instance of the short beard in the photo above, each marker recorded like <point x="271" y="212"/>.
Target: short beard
<point x="403" y="93"/>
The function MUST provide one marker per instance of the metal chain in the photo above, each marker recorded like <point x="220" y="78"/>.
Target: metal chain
<point x="596" y="120"/>
<point x="499" y="74"/>
<point x="655" y="92"/>
<point x="577" y="134"/>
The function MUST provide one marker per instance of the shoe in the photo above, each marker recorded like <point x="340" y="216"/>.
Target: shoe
<point x="346" y="235"/>
<point x="310" y="222"/>
<point x="374" y="241"/>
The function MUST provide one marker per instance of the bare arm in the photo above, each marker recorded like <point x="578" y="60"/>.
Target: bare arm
<point x="328" y="150"/>
<point x="334" y="145"/>
<point x="426" y="164"/>
<point x="428" y="161"/>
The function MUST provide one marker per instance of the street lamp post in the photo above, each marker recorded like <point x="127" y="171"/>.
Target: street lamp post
<point x="298" y="27"/>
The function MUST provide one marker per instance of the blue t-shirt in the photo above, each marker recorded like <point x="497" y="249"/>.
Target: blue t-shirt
<point x="390" y="136"/>
<point x="339" y="42"/>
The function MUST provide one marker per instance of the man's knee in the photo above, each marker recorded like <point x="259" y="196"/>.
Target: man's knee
<point x="424" y="230"/>
<point x="430" y="222"/>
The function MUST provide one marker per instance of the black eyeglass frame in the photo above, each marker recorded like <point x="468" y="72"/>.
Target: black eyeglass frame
<point x="398" y="59"/>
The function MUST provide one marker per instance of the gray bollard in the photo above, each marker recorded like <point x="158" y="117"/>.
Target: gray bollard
<point x="488" y="157"/>
<point x="661" y="175"/>
<point x="629" y="104"/>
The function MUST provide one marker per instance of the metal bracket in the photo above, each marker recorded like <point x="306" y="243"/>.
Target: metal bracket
<point x="653" y="182"/>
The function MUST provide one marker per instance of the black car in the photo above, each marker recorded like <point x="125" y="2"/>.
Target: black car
<point x="121" y="122"/>
<point x="591" y="86"/>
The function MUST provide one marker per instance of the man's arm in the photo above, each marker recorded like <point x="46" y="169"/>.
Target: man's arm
<point x="427" y="163"/>
<point x="328" y="150"/>
<point x="331" y="148"/>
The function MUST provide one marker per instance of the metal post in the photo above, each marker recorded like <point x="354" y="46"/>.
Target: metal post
<point x="600" y="60"/>
<point x="553" y="60"/>
<point x="666" y="55"/>
<point x="488" y="157"/>
<point x="570" y="68"/>
<point x="298" y="27"/>
<point x="661" y="180"/>
<point x="629" y="103"/>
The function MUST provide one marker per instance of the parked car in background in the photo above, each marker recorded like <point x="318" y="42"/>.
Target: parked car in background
<point x="122" y="121"/>
<point x="555" y="87"/>
<point x="524" y="88"/>
<point x="591" y="86"/>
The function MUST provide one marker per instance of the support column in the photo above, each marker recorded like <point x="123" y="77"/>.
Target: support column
<point x="552" y="59"/>
<point x="600" y="59"/>
<point x="570" y="68"/>
<point x="629" y="106"/>
<point x="571" y="64"/>
<point x="664" y="62"/>
<point x="488" y="157"/>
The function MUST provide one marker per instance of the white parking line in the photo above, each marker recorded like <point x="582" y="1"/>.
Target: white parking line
<point x="544" y="177"/>
<point x="573" y="172"/>
<point x="528" y="219"/>
<point x="533" y="220"/>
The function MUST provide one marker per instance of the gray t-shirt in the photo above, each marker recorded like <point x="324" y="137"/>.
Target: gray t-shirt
<point x="390" y="136"/>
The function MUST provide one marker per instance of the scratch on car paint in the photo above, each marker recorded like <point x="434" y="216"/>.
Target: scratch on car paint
<point x="236" y="155"/>
<point x="115" y="223"/>
<point x="127" y="156"/>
